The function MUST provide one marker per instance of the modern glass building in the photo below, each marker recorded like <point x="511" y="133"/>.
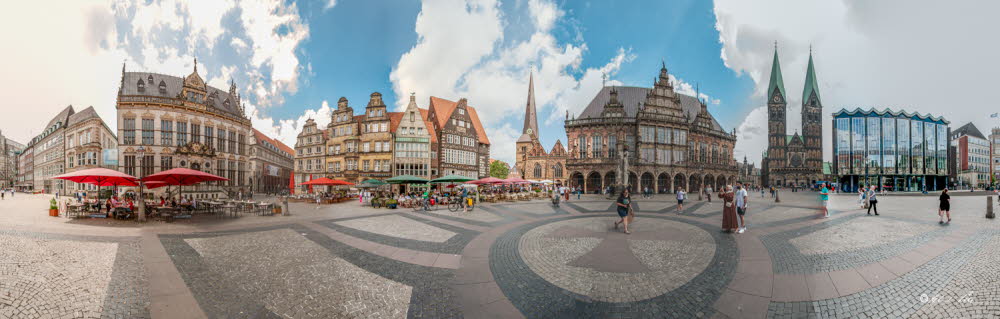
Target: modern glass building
<point x="895" y="149"/>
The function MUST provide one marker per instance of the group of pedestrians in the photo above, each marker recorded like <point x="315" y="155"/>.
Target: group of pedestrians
<point x="868" y="199"/>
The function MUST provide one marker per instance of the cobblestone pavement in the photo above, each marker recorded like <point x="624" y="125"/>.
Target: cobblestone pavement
<point x="508" y="260"/>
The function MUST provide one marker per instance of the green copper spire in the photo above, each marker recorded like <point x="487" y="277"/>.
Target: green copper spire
<point x="811" y="87"/>
<point x="776" y="81"/>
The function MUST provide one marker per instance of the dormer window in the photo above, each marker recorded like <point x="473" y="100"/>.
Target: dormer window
<point x="150" y="79"/>
<point x="226" y="103"/>
<point x="163" y="86"/>
<point x="461" y="111"/>
<point x="140" y="86"/>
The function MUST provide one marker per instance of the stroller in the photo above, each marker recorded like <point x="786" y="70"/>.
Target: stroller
<point x="555" y="200"/>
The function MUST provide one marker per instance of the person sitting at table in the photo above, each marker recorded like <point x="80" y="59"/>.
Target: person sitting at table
<point x="163" y="201"/>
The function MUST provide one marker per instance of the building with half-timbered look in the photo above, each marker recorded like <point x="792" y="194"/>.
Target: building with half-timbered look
<point x="462" y="146"/>
<point x="670" y="140"/>
<point x="166" y="122"/>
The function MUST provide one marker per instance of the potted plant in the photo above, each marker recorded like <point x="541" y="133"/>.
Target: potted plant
<point x="53" y="208"/>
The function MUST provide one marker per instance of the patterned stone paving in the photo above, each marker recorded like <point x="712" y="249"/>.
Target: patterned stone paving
<point x="573" y="255"/>
<point x="510" y="260"/>
<point x="50" y="275"/>
<point x="398" y="226"/>
<point x="858" y="234"/>
<point x="300" y="283"/>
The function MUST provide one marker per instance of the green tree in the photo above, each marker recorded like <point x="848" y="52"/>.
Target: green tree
<point x="499" y="169"/>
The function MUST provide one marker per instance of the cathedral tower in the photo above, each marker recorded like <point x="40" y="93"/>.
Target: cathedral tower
<point x="812" y="119"/>
<point x="776" y="107"/>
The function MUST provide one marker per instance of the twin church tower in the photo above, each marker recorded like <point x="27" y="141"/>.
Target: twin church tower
<point x="797" y="159"/>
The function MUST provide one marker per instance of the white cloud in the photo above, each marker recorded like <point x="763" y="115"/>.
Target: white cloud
<point x="492" y="71"/>
<point x="928" y="57"/>
<point x="73" y="55"/>
<point x="329" y="5"/>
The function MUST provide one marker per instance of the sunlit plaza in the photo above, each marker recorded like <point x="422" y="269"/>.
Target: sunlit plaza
<point x="508" y="259"/>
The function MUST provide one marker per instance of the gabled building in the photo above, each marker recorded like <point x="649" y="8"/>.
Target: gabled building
<point x="375" y="156"/>
<point x="167" y="122"/>
<point x="89" y="144"/>
<point x="531" y="158"/>
<point x="411" y="141"/>
<point x="310" y="155"/>
<point x="462" y="145"/>
<point x="342" y="147"/>
<point x="973" y="156"/>
<point x="670" y="140"/>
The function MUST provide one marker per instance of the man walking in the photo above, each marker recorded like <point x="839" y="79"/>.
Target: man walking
<point x="872" y="201"/>
<point x="741" y="206"/>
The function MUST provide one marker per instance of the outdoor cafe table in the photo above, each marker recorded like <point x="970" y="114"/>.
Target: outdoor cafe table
<point x="264" y="207"/>
<point x="75" y="209"/>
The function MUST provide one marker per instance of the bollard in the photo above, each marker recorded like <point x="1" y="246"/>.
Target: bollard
<point x="777" y="198"/>
<point x="989" y="207"/>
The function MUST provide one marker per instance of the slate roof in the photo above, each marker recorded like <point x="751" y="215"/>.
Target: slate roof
<point x="173" y="87"/>
<point x="63" y="116"/>
<point x="631" y="97"/>
<point x="86" y="114"/>
<point x="968" y="129"/>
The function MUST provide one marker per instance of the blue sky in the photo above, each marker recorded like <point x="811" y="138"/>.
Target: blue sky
<point x="291" y="59"/>
<point x="354" y="46"/>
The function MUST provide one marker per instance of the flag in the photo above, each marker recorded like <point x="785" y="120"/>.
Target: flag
<point x="994" y="114"/>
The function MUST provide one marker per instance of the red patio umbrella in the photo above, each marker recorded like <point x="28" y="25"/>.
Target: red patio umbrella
<point x="515" y="181"/>
<point x="487" y="180"/>
<point x="324" y="181"/>
<point x="309" y="186"/>
<point x="182" y="176"/>
<point x="100" y="177"/>
<point x="291" y="183"/>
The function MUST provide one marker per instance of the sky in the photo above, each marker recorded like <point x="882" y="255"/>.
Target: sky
<point x="292" y="59"/>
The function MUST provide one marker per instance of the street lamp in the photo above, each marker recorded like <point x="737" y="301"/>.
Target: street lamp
<point x="142" y="201"/>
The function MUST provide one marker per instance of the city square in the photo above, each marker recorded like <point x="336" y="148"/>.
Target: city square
<point x="520" y="259"/>
<point x="499" y="159"/>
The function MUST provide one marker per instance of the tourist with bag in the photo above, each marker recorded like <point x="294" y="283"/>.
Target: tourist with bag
<point x="624" y="205"/>
<point x="729" y="222"/>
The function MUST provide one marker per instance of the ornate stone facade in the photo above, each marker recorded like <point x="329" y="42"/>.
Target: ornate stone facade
<point x="167" y="122"/>
<point x="532" y="161"/>
<point x="89" y="144"/>
<point x="669" y="140"/>
<point x="793" y="159"/>
<point x="310" y="155"/>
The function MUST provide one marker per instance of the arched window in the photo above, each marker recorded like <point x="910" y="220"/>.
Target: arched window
<point x="538" y="170"/>
<point x="163" y="86"/>
<point x="150" y="79"/>
<point x="140" y="86"/>
<point x="559" y="170"/>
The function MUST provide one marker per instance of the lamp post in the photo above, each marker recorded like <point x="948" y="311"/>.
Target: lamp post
<point x="142" y="201"/>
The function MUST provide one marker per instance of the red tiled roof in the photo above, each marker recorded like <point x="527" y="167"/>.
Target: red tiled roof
<point x="442" y="109"/>
<point x="394" y="119"/>
<point x="428" y="124"/>
<point x="277" y="143"/>
<point x="479" y="126"/>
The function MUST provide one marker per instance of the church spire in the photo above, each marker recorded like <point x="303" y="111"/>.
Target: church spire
<point x="811" y="87"/>
<point x="530" y="117"/>
<point x="776" y="82"/>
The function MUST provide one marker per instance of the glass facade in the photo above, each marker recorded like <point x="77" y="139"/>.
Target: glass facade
<point x="888" y="146"/>
<point x="899" y="151"/>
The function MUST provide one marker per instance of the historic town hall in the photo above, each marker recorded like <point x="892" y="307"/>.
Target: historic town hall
<point x="665" y="140"/>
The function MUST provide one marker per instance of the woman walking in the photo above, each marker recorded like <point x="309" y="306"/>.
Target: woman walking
<point x="729" y="222"/>
<point x="944" y="207"/>
<point x="624" y="210"/>
<point x="872" y="200"/>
